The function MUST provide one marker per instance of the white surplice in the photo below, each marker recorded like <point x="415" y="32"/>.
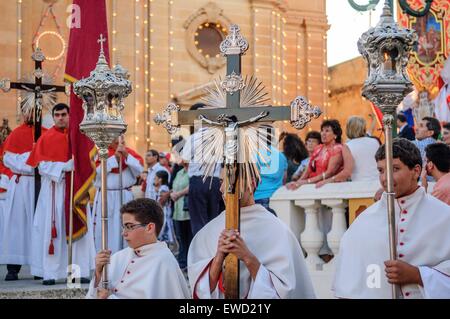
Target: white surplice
<point x="129" y="177"/>
<point x="18" y="210"/>
<point x="4" y="181"/>
<point x="52" y="194"/>
<point x="423" y="239"/>
<point x="148" y="272"/>
<point x="282" y="273"/>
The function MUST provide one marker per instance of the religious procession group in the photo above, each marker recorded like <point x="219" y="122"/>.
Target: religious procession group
<point x="183" y="209"/>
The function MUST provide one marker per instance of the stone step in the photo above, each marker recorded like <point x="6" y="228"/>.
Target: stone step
<point x="27" y="288"/>
<point x="30" y="290"/>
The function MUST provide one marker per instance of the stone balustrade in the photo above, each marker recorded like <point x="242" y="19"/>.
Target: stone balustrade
<point x="305" y="211"/>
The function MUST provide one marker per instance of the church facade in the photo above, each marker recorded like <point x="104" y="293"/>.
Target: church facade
<point x="170" y="48"/>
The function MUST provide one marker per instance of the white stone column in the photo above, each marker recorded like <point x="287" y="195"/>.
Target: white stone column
<point x="338" y="226"/>
<point x="290" y="214"/>
<point x="311" y="237"/>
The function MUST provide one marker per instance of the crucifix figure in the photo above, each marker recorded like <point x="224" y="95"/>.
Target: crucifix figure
<point x="39" y="89"/>
<point x="233" y="105"/>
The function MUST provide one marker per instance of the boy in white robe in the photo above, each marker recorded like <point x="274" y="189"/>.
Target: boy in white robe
<point x="272" y="265"/>
<point x="363" y="268"/>
<point x="146" y="269"/>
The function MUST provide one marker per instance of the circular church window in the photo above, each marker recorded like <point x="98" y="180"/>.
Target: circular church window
<point x="208" y="37"/>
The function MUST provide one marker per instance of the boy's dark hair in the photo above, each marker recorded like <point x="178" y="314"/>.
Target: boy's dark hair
<point x="433" y="125"/>
<point x="294" y="148"/>
<point x="314" y="135"/>
<point x="439" y="154"/>
<point x="164" y="177"/>
<point x="145" y="211"/>
<point x="335" y="127"/>
<point x="59" y="107"/>
<point x="401" y="117"/>
<point x="153" y="153"/>
<point x="446" y="126"/>
<point x="404" y="150"/>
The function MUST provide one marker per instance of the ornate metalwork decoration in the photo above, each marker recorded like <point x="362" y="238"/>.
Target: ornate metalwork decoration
<point x="403" y="4"/>
<point x="364" y="7"/>
<point x="234" y="43"/>
<point x="102" y="94"/>
<point x="121" y="72"/>
<point x="232" y="83"/>
<point x="5" y="85"/>
<point x="38" y="73"/>
<point x="253" y="94"/>
<point x="302" y="112"/>
<point x="388" y="120"/>
<point x="168" y="119"/>
<point x="386" y="49"/>
<point x="38" y="55"/>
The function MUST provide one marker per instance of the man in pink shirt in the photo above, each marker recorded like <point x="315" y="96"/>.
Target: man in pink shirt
<point x="438" y="165"/>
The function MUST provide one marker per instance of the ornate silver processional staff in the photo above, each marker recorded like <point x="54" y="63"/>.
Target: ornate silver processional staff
<point x="386" y="49"/>
<point x="236" y="131"/>
<point x="102" y="94"/>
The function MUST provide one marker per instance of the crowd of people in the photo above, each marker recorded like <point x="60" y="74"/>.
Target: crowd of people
<point x="182" y="201"/>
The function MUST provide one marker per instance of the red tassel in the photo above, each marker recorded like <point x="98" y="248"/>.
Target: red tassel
<point x="51" y="248"/>
<point x="54" y="234"/>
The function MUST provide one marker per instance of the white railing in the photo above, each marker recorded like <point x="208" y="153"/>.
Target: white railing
<point x="310" y="212"/>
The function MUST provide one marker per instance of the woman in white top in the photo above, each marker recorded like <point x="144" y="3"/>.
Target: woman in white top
<point x="358" y="153"/>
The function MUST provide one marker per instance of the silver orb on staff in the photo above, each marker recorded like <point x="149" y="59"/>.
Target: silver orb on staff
<point x="102" y="94"/>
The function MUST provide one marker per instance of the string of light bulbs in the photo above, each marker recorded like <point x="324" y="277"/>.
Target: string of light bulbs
<point x="19" y="55"/>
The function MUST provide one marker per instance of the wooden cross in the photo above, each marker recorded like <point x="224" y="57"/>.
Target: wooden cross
<point x="233" y="116"/>
<point x="39" y="89"/>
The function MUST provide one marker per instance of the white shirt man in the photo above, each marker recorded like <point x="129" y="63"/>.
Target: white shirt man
<point x="272" y="265"/>
<point x="152" y="159"/>
<point x="49" y="245"/>
<point x="131" y="168"/>
<point x="423" y="239"/>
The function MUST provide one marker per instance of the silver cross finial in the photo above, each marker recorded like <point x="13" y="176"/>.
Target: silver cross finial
<point x="101" y="40"/>
<point x="234" y="43"/>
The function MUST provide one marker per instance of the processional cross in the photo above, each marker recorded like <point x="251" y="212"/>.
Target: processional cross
<point x="236" y="114"/>
<point x="39" y="89"/>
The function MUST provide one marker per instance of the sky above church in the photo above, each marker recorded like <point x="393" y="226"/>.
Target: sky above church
<point x="346" y="27"/>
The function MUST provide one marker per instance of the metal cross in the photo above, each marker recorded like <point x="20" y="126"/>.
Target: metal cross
<point x="39" y="89"/>
<point x="101" y="40"/>
<point x="233" y="116"/>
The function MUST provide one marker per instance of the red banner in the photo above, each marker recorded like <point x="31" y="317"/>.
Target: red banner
<point x="88" y="22"/>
